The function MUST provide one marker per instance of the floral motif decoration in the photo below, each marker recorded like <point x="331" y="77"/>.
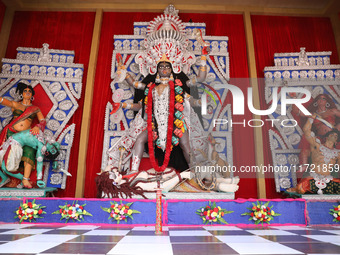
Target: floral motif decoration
<point x="74" y="212"/>
<point x="119" y="212"/>
<point x="212" y="214"/>
<point x="336" y="213"/>
<point x="29" y="211"/>
<point x="261" y="213"/>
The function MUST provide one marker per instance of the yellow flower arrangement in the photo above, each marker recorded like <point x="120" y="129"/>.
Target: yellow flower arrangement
<point x="120" y="211"/>
<point x="74" y="212"/>
<point x="212" y="213"/>
<point x="336" y="213"/>
<point x="261" y="213"/>
<point x="29" y="211"/>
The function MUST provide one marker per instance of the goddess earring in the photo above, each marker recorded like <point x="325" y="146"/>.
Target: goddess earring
<point x="328" y="105"/>
<point x="32" y="98"/>
<point x="20" y="96"/>
<point x="315" y="104"/>
<point x="158" y="80"/>
<point x="171" y="77"/>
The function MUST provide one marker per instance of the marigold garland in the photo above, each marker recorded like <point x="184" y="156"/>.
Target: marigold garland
<point x="336" y="213"/>
<point x="120" y="211"/>
<point x="29" y="211"/>
<point x="212" y="214"/>
<point x="261" y="213"/>
<point x="74" y="212"/>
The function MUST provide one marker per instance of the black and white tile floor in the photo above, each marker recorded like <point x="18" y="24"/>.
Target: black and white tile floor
<point x="212" y="240"/>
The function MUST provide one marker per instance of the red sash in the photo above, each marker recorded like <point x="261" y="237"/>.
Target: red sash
<point x="27" y="113"/>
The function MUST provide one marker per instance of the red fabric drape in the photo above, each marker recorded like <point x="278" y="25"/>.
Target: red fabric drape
<point x="2" y="13"/>
<point x="61" y="30"/>
<point x="217" y="24"/>
<point x="274" y="34"/>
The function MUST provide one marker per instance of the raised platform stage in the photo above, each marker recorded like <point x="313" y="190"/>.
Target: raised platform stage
<point x="323" y="197"/>
<point x="178" y="211"/>
<point x="188" y="195"/>
<point x="14" y="192"/>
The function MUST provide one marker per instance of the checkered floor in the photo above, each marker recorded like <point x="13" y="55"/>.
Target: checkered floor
<point x="91" y="239"/>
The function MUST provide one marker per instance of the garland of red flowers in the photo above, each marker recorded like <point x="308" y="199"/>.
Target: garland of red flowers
<point x="170" y="129"/>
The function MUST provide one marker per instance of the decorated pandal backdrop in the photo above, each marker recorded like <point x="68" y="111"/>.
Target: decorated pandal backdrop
<point x="72" y="31"/>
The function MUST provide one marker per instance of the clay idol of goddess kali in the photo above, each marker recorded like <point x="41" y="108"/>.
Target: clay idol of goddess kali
<point x="165" y="117"/>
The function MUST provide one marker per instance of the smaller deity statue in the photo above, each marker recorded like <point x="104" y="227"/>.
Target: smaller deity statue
<point x="325" y="157"/>
<point x="327" y="118"/>
<point x="45" y="55"/>
<point x="303" y="59"/>
<point x="24" y="115"/>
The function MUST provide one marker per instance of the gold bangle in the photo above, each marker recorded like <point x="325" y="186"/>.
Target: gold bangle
<point x="203" y="68"/>
<point x="127" y="106"/>
<point x="203" y="57"/>
<point x="138" y="85"/>
<point x="127" y="76"/>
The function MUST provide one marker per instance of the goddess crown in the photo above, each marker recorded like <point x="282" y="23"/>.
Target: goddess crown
<point x="165" y="39"/>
